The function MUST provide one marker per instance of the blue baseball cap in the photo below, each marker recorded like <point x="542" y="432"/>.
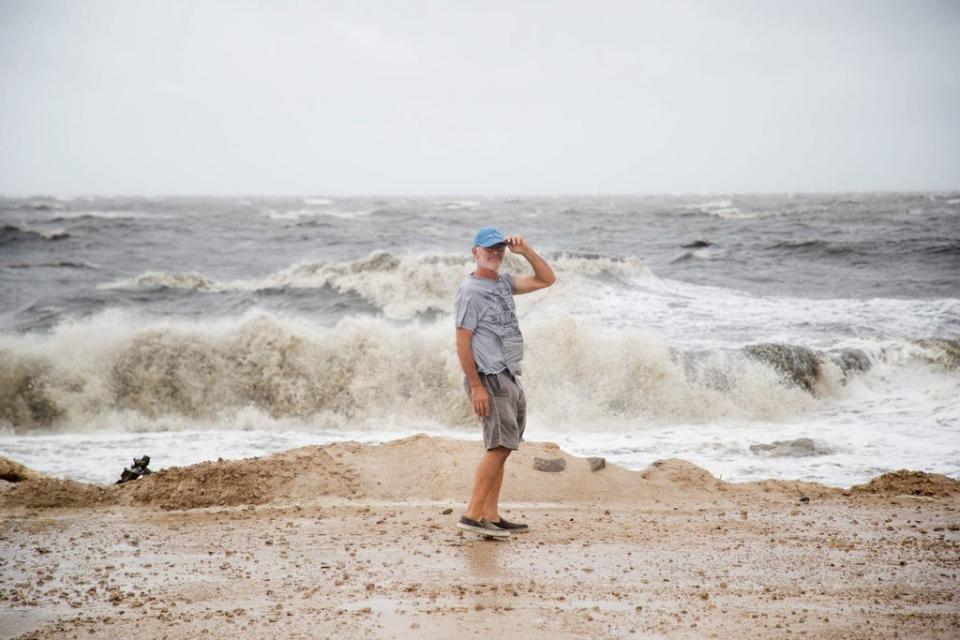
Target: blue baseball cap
<point x="487" y="237"/>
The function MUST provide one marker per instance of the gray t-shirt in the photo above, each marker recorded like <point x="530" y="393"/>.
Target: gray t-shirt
<point x="486" y="307"/>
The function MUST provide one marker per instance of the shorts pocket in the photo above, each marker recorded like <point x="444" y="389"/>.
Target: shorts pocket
<point x="496" y="387"/>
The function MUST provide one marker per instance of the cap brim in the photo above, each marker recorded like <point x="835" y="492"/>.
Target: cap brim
<point x="491" y="243"/>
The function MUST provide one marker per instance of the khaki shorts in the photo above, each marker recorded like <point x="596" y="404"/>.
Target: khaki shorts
<point x="504" y="424"/>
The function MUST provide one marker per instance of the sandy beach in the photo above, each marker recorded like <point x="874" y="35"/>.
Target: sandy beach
<point x="358" y="541"/>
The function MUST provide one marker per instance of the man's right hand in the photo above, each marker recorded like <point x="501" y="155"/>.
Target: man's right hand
<point x="481" y="400"/>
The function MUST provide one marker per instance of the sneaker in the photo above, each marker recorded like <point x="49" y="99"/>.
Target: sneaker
<point x="482" y="527"/>
<point x="512" y="527"/>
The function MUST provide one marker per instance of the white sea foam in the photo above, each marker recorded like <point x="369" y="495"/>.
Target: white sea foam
<point x="722" y="208"/>
<point x="700" y="316"/>
<point x="52" y="234"/>
<point x="294" y="215"/>
<point x="457" y="205"/>
<point x="724" y="203"/>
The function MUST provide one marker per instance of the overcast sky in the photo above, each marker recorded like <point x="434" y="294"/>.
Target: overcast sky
<point x="240" y="97"/>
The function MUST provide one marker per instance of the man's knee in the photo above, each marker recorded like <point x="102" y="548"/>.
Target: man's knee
<point x="500" y="452"/>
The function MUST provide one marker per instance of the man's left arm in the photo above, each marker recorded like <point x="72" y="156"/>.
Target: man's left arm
<point x="543" y="276"/>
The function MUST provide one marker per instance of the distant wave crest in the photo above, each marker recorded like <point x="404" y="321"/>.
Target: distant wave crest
<point x="898" y="246"/>
<point x="163" y="280"/>
<point x="10" y="234"/>
<point x="402" y="286"/>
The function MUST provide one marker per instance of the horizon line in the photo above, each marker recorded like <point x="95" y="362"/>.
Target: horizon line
<point x="530" y="194"/>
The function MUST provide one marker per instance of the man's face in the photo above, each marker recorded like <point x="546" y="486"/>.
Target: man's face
<point x="490" y="257"/>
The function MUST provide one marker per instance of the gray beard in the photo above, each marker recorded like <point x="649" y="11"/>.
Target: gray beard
<point x="492" y="266"/>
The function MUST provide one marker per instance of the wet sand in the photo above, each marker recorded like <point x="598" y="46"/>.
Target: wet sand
<point x="706" y="560"/>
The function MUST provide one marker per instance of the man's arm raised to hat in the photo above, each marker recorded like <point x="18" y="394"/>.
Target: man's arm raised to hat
<point x="543" y="276"/>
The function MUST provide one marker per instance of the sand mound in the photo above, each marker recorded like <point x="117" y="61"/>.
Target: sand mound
<point x="682" y="475"/>
<point x="15" y="472"/>
<point x="20" y="486"/>
<point x="298" y="474"/>
<point x="915" y="483"/>
<point x="424" y="468"/>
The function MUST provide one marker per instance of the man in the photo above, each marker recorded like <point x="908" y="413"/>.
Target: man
<point x="490" y="347"/>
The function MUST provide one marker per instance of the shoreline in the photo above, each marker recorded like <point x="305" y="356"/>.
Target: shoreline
<point x="359" y="541"/>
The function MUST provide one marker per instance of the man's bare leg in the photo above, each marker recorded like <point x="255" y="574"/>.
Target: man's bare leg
<point x="491" y="510"/>
<point x="489" y="472"/>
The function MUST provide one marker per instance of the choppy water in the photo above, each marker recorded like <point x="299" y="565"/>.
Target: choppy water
<point x="681" y="326"/>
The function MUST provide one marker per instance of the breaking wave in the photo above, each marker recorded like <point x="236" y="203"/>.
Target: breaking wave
<point x="113" y="372"/>
<point x="402" y="286"/>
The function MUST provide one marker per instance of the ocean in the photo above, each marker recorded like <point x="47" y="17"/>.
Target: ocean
<point x="791" y="336"/>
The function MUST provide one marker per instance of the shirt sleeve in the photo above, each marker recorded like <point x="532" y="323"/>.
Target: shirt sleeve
<point x="467" y="311"/>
